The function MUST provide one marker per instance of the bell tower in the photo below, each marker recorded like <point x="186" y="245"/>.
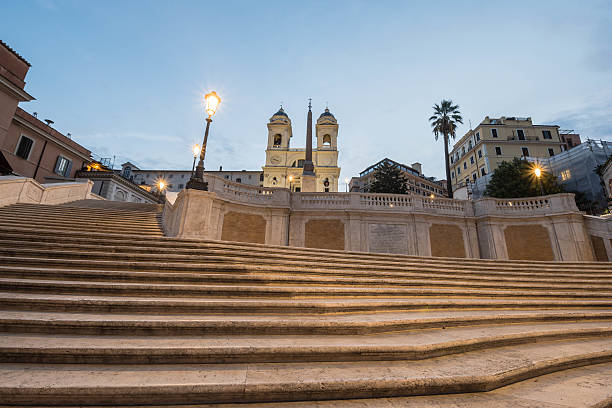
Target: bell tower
<point x="327" y="131"/>
<point x="279" y="131"/>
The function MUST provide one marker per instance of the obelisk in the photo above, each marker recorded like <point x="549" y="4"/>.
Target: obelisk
<point x="309" y="179"/>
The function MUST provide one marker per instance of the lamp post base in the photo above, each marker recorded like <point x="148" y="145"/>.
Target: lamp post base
<point x="196" y="184"/>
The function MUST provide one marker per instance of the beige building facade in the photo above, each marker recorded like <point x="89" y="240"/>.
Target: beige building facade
<point x="416" y="182"/>
<point x="284" y="165"/>
<point x="493" y="141"/>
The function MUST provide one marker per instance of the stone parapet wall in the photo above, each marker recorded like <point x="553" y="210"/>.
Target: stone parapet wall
<point x="15" y="190"/>
<point x="600" y="234"/>
<point x="540" y="228"/>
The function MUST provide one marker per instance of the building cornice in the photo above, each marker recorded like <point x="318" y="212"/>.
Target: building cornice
<point x="14" y="90"/>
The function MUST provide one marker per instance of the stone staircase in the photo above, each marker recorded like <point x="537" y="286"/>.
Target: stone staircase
<point x="98" y="308"/>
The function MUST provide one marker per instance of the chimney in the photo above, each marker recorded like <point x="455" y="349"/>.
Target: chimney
<point x="220" y="168"/>
<point x="417" y="167"/>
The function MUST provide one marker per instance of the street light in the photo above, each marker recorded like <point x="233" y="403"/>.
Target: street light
<point x="197" y="180"/>
<point x="538" y="173"/>
<point x="196" y="152"/>
<point x="346" y="181"/>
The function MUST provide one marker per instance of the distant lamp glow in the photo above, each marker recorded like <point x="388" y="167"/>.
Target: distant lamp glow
<point x="290" y="178"/>
<point x="196" y="150"/>
<point x="161" y="184"/>
<point x="432" y="196"/>
<point x="212" y="102"/>
<point x="538" y="172"/>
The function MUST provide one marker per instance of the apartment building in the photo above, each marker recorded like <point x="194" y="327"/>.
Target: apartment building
<point x="493" y="141"/>
<point x="417" y="183"/>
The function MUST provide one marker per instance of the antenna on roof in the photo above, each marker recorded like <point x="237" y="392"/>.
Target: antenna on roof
<point x="49" y="122"/>
<point x="68" y="135"/>
<point x="35" y="114"/>
<point x="470" y="120"/>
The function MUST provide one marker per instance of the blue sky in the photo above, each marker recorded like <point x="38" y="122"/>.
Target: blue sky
<point x="125" y="78"/>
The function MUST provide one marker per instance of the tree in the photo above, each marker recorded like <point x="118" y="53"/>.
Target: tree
<point x="517" y="179"/>
<point x="388" y="178"/>
<point x="444" y="121"/>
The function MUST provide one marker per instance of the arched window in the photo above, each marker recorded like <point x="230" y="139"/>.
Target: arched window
<point x="278" y="139"/>
<point x="327" y="140"/>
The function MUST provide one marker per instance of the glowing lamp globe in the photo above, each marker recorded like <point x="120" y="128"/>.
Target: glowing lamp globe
<point x="212" y="102"/>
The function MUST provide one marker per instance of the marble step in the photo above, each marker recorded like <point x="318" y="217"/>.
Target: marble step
<point x="292" y="278"/>
<point x="79" y="212"/>
<point x="282" y="291"/>
<point x="32" y="242"/>
<point x="478" y="371"/>
<point x="78" y="323"/>
<point x="97" y="224"/>
<point x="209" y="349"/>
<point x="316" y="254"/>
<point x="582" y="387"/>
<point x="133" y="304"/>
<point x="13" y="261"/>
<point x="187" y="261"/>
<point x="107" y="204"/>
<point x="65" y="227"/>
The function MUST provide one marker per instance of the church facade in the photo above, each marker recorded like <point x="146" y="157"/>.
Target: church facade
<point x="284" y="165"/>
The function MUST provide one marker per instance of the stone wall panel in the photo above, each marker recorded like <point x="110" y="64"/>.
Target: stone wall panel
<point x="600" y="248"/>
<point x="244" y="227"/>
<point x="324" y="233"/>
<point x="528" y="242"/>
<point x="446" y="240"/>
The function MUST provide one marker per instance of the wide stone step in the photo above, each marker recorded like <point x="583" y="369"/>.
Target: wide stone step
<point x="583" y="387"/>
<point x="106" y="204"/>
<point x="291" y="278"/>
<point x="67" y="208"/>
<point x="133" y="304"/>
<point x="286" y="291"/>
<point x="81" y="223"/>
<point x="207" y="324"/>
<point x="85" y="212"/>
<point x="132" y="230"/>
<point x="187" y="261"/>
<point x="407" y="345"/>
<point x="271" y="252"/>
<point x="129" y="249"/>
<point x="476" y="371"/>
<point x="241" y="268"/>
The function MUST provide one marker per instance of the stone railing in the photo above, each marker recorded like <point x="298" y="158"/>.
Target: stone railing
<point x="26" y="190"/>
<point x="247" y="194"/>
<point x="551" y="204"/>
<point x="401" y="203"/>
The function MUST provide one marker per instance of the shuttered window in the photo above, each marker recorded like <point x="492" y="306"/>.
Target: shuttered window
<point x="24" y="148"/>
<point x="63" y="166"/>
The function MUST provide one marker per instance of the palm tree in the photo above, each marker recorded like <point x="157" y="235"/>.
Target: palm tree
<point x="444" y="121"/>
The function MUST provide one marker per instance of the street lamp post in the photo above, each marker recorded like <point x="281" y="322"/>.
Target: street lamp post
<point x="197" y="180"/>
<point x="196" y="152"/>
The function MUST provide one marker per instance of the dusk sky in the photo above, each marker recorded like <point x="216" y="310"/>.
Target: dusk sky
<point x="126" y="78"/>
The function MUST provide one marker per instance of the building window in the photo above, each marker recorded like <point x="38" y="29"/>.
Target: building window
<point x="546" y="134"/>
<point x="494" y="132"/>
<point x="326" y="141"/>
<point x="566" y="175"/>
<point x="520" y="134"/>
<point x="277" y="140"/>
<point x="464" y="165"/>
<point x="24" y="147"/>
<point x="498" y="150"/>
<point x="474" y="176"/>
<point x="238" y="180"/>
<point x="227" y="177"/>
<point x="327" y="189"/>
<point x="458" y="170"/>
<point x="472" y="160"/>
<point x="551" y="152"/>
<point x="480" y="154"/>
<point x="62" y="166"/>
<point x="452" y="174"/>
<point x="482" y="172"/>
<point x="477" y="136"/>
<point x="525" y="151"/>
<point x="261" y="178"/>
